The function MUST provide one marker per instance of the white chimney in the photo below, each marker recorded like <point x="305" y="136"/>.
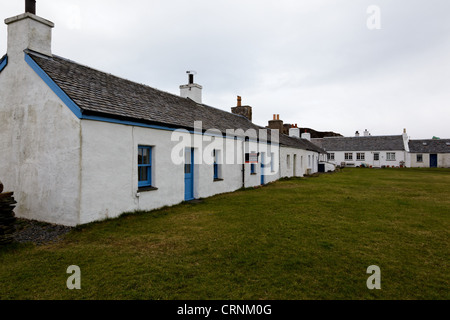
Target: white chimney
<point x="405" y="140"/>
<point x="294" y="132"/>
<point x="366" y="133"/>
<point x="28" y="31"/>
<point x="191" y="90"/>
<point x="306" y="135"/>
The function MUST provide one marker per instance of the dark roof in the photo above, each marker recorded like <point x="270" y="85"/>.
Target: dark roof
<point x="370" y="143"/>
<point x="99" y="93"/>
<point x="430" y="146"/>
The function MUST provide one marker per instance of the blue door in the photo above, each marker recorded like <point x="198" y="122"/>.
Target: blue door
<point x="189" y="174"/>
<point x="262" y="168"/>
<point x="433" y="161"/>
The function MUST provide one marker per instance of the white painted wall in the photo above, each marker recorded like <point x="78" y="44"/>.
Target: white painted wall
<point x="110" y="178"/>
<point x="304" y="160"/>
<point x="339" y="157"/>
<point x="39" y="146"/>
<point x="443" y="160"/>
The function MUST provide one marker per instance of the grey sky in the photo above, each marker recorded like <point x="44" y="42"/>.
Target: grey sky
<point x="314" y="62"/>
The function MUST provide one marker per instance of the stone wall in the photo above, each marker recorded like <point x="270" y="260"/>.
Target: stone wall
<point x="7" y="218"/>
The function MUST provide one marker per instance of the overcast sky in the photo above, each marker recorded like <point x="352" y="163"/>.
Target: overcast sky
<point x="314" y="62"/>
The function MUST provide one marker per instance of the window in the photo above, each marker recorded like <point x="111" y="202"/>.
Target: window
<point x="360" y="156"/>
<point x="376" y="156"/>
<point x="348" y="156"/>
<point x="309" y="161"/>
<point x="420" y="158"/>
<point x="252" y="168"/>
<point x="272" y="162"/>
<point x="330" y="156"/>
<point x="390" y="156"/>
<point x="217" y="166"/>
<point x="288" y="161"/>
<point x="144" y="166"/>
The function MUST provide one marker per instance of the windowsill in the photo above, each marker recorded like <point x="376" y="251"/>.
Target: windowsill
<point x="253" y="174"/>
<point x="218" y="179"/>
<point x="144" y="189"/>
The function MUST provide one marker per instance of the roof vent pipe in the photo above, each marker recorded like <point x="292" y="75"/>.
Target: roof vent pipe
<point x="30" y="6"/>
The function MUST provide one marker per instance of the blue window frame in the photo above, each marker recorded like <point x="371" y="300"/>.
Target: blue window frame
<point x="144" y="166"/>
<point x="252" y="168"/>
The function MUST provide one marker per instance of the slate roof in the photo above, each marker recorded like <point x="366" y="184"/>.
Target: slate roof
<point x="429" y="146"/>
<point x="102" y="94"/>
<point x="370" y="143"/>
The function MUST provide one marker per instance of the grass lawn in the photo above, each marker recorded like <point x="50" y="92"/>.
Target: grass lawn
<point x="310" y="238"/>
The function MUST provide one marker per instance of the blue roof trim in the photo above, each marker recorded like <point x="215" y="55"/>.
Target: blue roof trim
<point x="3" y="62"/>
<point x="144" y="125"/>
<point x="55" y="88"/>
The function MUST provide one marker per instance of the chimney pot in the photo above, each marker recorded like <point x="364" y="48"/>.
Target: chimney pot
<point x="30" y="6"/>
<point x="278" y="117"/>
<point x="239" y="99"/>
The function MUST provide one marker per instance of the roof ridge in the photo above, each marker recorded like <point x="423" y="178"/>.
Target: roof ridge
<point x="381" y="136"/>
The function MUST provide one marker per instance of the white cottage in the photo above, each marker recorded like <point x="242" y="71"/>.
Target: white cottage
<point x="79" y="145"/>
<point x="430" y="153"/>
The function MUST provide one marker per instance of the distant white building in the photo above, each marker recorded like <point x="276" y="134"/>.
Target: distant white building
<point x="430" y="153"/>
<point x="367" y="150"/>
<point x="79" y="145"/>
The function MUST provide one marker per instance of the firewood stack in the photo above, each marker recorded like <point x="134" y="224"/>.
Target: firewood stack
<point x="7" y="218"/>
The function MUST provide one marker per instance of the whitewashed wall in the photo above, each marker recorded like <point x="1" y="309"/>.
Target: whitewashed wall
<point x="109" y="181"/>
<point x="39" y="146"/>
<point x="443" y="160"/>
<point x="302" y="161"/>
<point x="339" y="157"/>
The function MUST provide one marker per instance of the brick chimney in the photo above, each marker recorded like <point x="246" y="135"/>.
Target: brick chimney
<point x="191" y="90"/>
<point x="245" y="111"/>
<point x="28" y="31"/>
<point x="276" y="123"/>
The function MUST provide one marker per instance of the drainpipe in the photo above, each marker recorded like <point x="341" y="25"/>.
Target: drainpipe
<point x="243" y="163"/>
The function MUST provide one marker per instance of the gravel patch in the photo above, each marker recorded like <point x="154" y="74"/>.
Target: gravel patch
<point x="39" y="233"/>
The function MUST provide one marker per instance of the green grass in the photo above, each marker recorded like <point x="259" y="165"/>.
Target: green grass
<point x="309" y="238"/>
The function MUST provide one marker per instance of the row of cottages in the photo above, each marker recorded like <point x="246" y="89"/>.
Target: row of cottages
<point x="366" y="150"/>
<point x="384" y="151"/>
<point x="79" y="145"/>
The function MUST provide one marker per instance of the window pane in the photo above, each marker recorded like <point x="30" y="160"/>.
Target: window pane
<point x="143" y="173"/>
<point x="146" y="155"/>
<point x="187" y="160"/>
<point x="140" y="156"/>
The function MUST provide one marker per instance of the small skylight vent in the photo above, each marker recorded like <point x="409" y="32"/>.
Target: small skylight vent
<point x="424" y="143"/>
